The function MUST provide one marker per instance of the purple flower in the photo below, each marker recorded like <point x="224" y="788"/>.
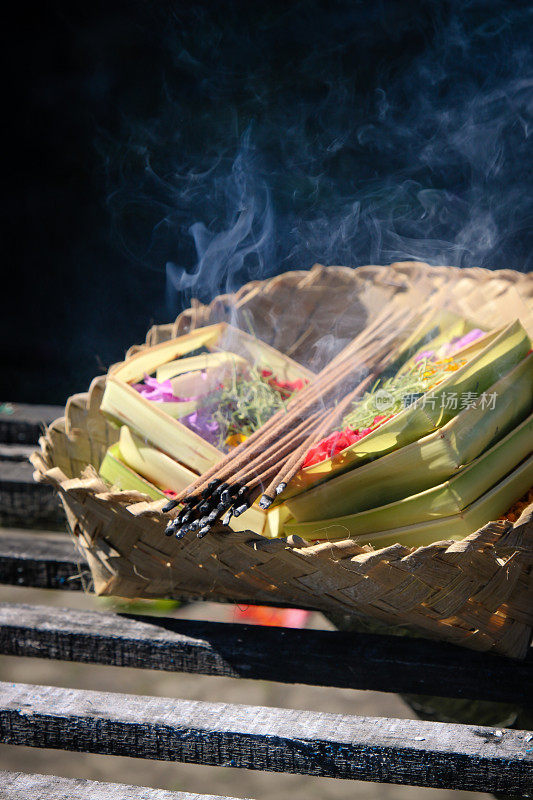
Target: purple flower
<point x="202" y="423"/>
<point x="152" y="389"/>
<point x="161" y="392"/>
<point x="428" y="354"/>
<point x="462" y="341"/>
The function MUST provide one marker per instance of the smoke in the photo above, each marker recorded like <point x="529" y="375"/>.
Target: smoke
<point x="242" y="242"/>
<point x="345" y="133"/>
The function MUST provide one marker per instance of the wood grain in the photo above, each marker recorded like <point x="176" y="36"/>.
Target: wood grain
<point x="314" y="657"/>
<point x="277" y="740"/>
<point x="18" y="786"/>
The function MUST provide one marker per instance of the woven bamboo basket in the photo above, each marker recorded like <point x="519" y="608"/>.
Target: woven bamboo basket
<point x="477" y="592"/>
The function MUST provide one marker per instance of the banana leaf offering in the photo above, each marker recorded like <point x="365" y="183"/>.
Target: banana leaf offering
<point x="448" y="449"/>
<point x="439" y="440"/>
<point x="184" y="404"/>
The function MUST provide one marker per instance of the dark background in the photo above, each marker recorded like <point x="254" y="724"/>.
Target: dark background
<point x="161" y="150"/>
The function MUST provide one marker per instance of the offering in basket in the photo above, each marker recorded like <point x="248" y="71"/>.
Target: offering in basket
<point x="386" y="474"/>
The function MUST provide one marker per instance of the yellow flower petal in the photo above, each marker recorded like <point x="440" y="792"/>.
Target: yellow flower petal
<point x="235" y="439"/>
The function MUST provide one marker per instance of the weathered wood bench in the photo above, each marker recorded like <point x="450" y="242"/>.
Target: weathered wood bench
<point x="412" y="752"/>
<point x="23" y="502"/>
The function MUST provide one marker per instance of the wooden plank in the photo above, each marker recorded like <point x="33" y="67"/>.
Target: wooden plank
<point x="313" y="657"/>
<point x="23" y="501"/>
<point x="16" y="477"/>
<point x="18" y="472"/>
<point x="19" y="786"/>
<point x="403" y="751"/>
<point x="21" y="423"/>
<point x="48" y="561"/>
<point x="16" y="452"/>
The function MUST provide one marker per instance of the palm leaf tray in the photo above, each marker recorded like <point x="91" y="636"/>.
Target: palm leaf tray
<point x="476" y="592"/>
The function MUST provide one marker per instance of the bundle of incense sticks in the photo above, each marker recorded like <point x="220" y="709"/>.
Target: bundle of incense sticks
<point x="267" y="461"/>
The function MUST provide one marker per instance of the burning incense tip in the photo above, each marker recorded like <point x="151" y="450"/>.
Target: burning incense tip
<point x="192" y="500"/>
<point x="171" y="527"/>
<point x="169" y="506"/>
<point x="265" y="502"/>
<point x="211" y="487"/>
<point x="182" y="532"/>
<point x="225" y="497"/>
<point x="186" y="529"/>
<point x="204" y="507"/>
<point x="241" y="509"/>
<point x="227" y="517"/>
<point x="203" y="531"/>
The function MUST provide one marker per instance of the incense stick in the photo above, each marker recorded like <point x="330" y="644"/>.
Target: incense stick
<point x="292" y="466"/>
<point x="224" y="492"/>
